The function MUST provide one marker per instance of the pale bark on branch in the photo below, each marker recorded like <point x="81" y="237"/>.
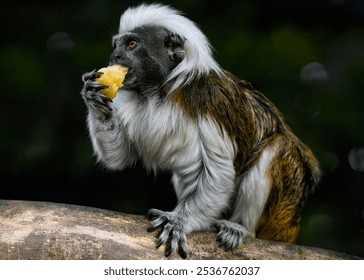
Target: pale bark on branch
<point x="44" y="230"/>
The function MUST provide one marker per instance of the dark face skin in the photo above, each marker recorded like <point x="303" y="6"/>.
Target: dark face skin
<point x="150" y="53"/>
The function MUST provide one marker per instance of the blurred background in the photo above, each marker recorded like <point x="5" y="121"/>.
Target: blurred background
<point x="306" y="56"/>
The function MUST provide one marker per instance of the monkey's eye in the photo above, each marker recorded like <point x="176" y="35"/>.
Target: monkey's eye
<point x="132" y="45"/>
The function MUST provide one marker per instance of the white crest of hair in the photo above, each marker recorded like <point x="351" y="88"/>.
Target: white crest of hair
<point x="198" y="59"/>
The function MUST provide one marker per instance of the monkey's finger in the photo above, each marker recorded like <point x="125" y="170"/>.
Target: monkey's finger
<point x="159" y="222"/>
<point x="221" y="235"/>
<point x="171" y="245"/>
<point x="94" y="86"/>
<point x="182" y="252"/>
<point x="156" y="224"/>
<point x="168" y="250"/>
<point x="236" y="241"/>
<point x="94" y="74"/>
<point x="229" y="241"/>
<point x="158" y="243"/>
<point x="177" y="243"/>
<point x="97" y="74"/>
<point x="166" y="233"/>
<point x="88" y="76"/>
<point x="182" y="247"/>
<point x="97" y="99"/>
<point x="230" y="238"/>
<point x="239" y="237"/>
<point x="152" y="228"/>
<point x="154" y="213"/>
<point x="100" y="98"/>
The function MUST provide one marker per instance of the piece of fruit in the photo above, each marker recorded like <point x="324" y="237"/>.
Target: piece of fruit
<point x="112" y="76"/>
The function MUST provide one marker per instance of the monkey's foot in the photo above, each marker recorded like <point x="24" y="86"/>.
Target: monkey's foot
<point x="172" y="232"/>
<point x="230" y="234"/>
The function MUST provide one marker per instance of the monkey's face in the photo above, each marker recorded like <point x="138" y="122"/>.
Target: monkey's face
<point x="150" y="53"/>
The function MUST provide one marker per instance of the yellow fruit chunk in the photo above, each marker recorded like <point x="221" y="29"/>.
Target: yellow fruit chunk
<point x="113" y="76"/>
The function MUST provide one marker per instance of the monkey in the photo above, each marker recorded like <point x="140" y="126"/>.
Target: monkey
<point x="236" y="166"/>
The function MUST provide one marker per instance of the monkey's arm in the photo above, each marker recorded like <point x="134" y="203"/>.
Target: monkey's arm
<point x="203" y="187"/>
<point x="107" y="132"/>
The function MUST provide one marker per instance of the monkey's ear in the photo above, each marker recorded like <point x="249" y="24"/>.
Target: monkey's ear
<point x="175" y="46"/>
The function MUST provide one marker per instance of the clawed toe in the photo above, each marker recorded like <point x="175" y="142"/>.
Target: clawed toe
<point x="90" y="76"/>
<point x="230" y="235"/>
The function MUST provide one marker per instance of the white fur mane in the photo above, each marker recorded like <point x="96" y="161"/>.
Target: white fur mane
<point x="198" y="59"/>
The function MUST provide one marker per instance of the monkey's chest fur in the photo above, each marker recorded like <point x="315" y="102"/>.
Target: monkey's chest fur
<point x="170" y="131"/>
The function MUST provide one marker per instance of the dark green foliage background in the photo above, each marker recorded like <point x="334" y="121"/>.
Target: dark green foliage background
<point x="45" y="152"/>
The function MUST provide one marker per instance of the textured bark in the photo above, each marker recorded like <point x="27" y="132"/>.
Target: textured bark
<point x="43" y="230"/>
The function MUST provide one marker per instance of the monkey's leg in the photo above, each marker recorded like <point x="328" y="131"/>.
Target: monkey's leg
<point x="295" y="174"/>
<point x="251" y="199"/>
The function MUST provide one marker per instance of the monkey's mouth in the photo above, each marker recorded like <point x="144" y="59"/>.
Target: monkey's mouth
<point x="129" y="78"/>
<point x="130" y="72"/>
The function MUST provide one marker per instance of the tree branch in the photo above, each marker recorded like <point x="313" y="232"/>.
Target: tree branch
<point x="43" y="230"/>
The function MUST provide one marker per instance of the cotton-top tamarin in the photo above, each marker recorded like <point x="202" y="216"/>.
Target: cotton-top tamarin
<point x="227" y="146"/>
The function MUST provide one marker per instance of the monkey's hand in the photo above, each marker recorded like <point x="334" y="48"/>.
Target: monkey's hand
<point x="97" y="102"/>
<point x="230" y="234"/>
<point x="172" y="232"/>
